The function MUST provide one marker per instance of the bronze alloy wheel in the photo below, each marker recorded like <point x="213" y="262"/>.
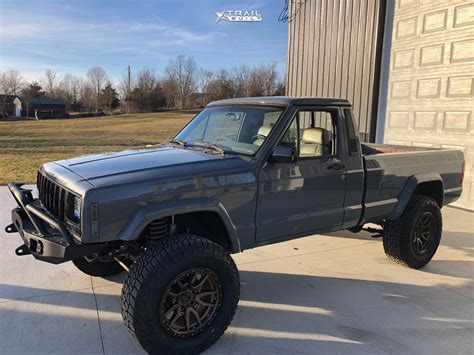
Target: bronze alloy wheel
<point x="189" y="302"/>
<point x="423" y="233"/>
<point x="180" y="295"/>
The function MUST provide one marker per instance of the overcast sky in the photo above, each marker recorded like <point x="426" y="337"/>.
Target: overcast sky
<point x="72" y="36"/>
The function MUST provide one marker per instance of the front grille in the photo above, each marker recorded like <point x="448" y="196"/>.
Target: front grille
<point x="52" y="196"/>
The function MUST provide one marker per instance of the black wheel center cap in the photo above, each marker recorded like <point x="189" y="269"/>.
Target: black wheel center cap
<point x="186" y="297"/>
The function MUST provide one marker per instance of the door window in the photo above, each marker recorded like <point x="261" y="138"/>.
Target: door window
<point x="312" y="133"/>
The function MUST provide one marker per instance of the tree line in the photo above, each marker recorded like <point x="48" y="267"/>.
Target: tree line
<point x="183" y="85"/>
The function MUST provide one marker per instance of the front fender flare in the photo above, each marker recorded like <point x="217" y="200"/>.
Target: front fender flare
<point x="147" y="214"/>
<point x="409" y="188"/>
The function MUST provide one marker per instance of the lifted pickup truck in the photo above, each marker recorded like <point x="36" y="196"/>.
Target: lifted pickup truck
<point x="243" y="173"/>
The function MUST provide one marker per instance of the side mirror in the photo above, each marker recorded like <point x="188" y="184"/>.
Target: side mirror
<point x="283" y="154"/>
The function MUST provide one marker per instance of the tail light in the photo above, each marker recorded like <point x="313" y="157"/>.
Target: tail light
<point x="462" y="172"/>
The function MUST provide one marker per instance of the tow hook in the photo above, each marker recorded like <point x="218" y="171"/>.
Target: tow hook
<point x="22" y="250"/>
<point x="11" y="228"/>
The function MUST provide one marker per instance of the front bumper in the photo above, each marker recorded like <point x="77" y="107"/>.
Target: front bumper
<point x="43" y="235"/>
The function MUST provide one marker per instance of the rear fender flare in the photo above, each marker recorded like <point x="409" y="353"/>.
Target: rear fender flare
<point x="410" y="187"/>
<point x="147" y="214"/>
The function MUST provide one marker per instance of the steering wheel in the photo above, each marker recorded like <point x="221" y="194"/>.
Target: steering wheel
<point x="257" y="136"/>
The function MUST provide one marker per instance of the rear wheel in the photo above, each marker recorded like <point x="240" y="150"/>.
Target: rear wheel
<point x="181" y="295"/>
<point x="98" y="266"/>
<point x="414" y="237"/>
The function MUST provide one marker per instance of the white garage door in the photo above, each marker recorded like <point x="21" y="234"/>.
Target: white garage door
<point x="431" y="85"/>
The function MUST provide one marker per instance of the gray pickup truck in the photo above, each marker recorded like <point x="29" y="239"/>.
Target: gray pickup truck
<point x="243" y="173"/>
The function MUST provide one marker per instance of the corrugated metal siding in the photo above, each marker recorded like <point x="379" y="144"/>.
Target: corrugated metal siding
<point x="333" y="51"/>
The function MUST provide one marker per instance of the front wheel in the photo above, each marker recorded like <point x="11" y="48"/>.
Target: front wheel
<point x="414" y="237"/>
<point x="180" y="296"/>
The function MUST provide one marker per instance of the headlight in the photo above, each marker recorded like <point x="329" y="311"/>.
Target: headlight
<point x="73" y="208"/>
<point x="77" y="208"/>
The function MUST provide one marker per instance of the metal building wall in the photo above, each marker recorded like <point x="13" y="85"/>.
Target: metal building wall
<point x="334" y="49"/>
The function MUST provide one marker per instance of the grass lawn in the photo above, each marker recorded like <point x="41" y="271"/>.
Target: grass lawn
<point x="24" y="145"/>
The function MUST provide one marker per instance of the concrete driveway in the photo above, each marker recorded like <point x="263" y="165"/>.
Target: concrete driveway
<point x="322" y="294"/>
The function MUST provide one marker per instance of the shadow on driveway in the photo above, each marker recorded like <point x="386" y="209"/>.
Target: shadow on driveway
<point x="302" y="312"/>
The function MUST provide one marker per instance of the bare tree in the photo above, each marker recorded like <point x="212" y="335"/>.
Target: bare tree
<point x="182" y="71"/>
<point x="97" y="78"/>
<point x="125" y="87"/>
<point x="241" y="80"/>
<point x="268" y="78"/>
<point x="68" y="90"/>
<point x="76" y="87"/>
<point x="14" y="82"/>
<point x="204" y="77"/>
<point x="80" y="88"/>
<point x="66" y="83"/>
<point x="10" y="84"/>
<point x="3" y="83"/>
<point x="221" y="86"/>
<point x="145" y="91"/>
<point x="148" y="92"/>
<point x="280" y="89"/>
<point x="4" y="90"/>
<point x="261" y="80"/>
<point x="170" y="89"/>
<point x="50" y="82"/>
<point x="145" y="84"/>
<point x="88" y="97"/>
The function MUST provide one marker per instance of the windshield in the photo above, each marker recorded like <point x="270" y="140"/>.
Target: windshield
<point x="233" y="128"/>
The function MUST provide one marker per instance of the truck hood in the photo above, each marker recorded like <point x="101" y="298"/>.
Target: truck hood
<point x="118" y="167"/>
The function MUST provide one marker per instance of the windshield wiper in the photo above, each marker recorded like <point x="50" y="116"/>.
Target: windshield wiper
<point x="213" y="146"/>
<point x="179" y="142"/>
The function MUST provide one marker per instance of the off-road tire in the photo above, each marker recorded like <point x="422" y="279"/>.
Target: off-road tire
<point x="398" y="233"/>
<point x="149" y="278"/>
<point x="98" y="267"/>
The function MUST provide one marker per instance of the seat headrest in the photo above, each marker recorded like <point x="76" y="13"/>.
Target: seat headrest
<point x="313" y="135"/>
<point x="264" y="131"/>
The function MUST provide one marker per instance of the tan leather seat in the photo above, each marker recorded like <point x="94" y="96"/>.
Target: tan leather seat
<point x="263" y="131"/>
<point x="313" y="143"/>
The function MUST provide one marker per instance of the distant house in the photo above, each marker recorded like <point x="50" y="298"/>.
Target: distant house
<point x="43" y="107"/>
<point x="39" y="107"/>
<point x="10" y="106"/>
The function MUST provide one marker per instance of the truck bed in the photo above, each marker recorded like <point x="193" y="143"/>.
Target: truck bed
<point x="374" y="149"/>
<point x="389" y="167"/>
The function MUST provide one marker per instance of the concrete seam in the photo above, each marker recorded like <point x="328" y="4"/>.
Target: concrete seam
<point x="457" y="293"/>
<point x="98" y="318"/>
<point x="50" y="294"/>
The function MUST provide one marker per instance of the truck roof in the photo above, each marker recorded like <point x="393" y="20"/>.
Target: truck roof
<point x="282" y="101"/>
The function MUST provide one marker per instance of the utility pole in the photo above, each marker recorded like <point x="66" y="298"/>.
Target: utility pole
<point x="129" y="88"/>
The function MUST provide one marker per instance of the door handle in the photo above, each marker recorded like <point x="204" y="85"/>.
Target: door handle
<point x="335" y="167"/>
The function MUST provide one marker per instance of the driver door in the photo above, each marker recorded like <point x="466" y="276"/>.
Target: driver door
<point x="305" y="196"/>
